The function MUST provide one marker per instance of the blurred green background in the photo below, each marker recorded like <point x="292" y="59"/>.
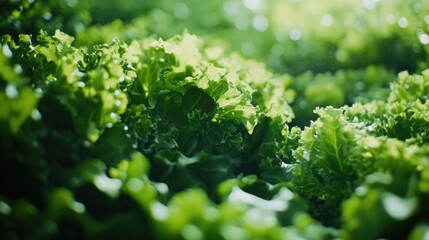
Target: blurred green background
<point x="290" y="36"/>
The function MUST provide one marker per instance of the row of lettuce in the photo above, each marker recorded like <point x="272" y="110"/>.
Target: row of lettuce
<point x="165" y="139"/>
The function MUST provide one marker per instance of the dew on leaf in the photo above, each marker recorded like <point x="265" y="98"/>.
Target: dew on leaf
<point x="370" y="4"/>
<point x="424" y="38"/>
<point x="159" y="211"/>
<point x="231" y="8"/>
<point x="110" y="186"/>
<point x="248" y="48"/>
<point x="211" y="213"/>
<point x="281" y="36"/>
<point x="327" y="20"/>
<point x="390" y="19"/>
<point x="71" y="3"/>
<point x="35" y="115"/>
<point x="113" y="115"/>
<point x="181" y="11"/>
<point x="295" y="34"/>
<point x="403" y="22"/>
<point x="78" y="207"/>
<point x="12" y="92"/>
<point x="277" y="50"/>
<point x="5" y="208"/>
<point x="6" y="51"/>
<point x="17" y="68"/>
<point x="135" y="184"/>
<point x="241" y="23"/>
<point x="47" y="16"/>
<point x="397" y="207"/>
<point x="253" y="4"/>
<point x="260" y="23"/>
<point x="80" y="84"/>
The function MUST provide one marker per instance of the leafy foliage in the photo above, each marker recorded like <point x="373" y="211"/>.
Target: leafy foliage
<point x="109" y="131"/>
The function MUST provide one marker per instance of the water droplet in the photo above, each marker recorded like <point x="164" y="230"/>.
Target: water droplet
<point x="108" y="185"/>
<point x="117" y="103"/>
<point x="427" y="19"/>
<point x="121" y="79"/>
<point x="241" y="23"/>
<point x="403" y="22"/>
<point x="35" y="115"/>
<point x="295" y="34"/>
<point x="181" y="11"/>
<point x="5" y="208"/>
<point x="281" y="36"/>
<point x="277" y="50"/>
<point x="135" y="184"/>
<point x="71" y="3"/>
<point x="260" y="23"/>
<point x="397" y="207"/>
<point x="361" y="191"/>
<point x="79" y="27"/>
<point x="80" y="84"/>
<point x="253" y="4"/>
<point x="78" y="73"/>
<point x="126" y="128"/>
<point x="424" y="38"/>
<point x="160" y="212"/>
<point x="248" y="48"/>
<point x="87" y="143"/>
<point x="11" y="91"/>
<point x="17" y="68"/>
<point x="116" y="92"/>
<point x="327" y="20"/>
<point x="231" y="8"/>
<point x="38" y="91"/>
<point x="6" y="51"/>
<point x="109" y="125"/>
<point x="78" y="207"/>
<point x="370" y="4"/>
<point x="306" y="155"/>
<point x="286" y="165"/>
<point x="162" y="188"/>
<point x="113" y="115"/>
<point x="390" y="19"/>
<point x="211" y="213"/>
<point x="47" y="16"/>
